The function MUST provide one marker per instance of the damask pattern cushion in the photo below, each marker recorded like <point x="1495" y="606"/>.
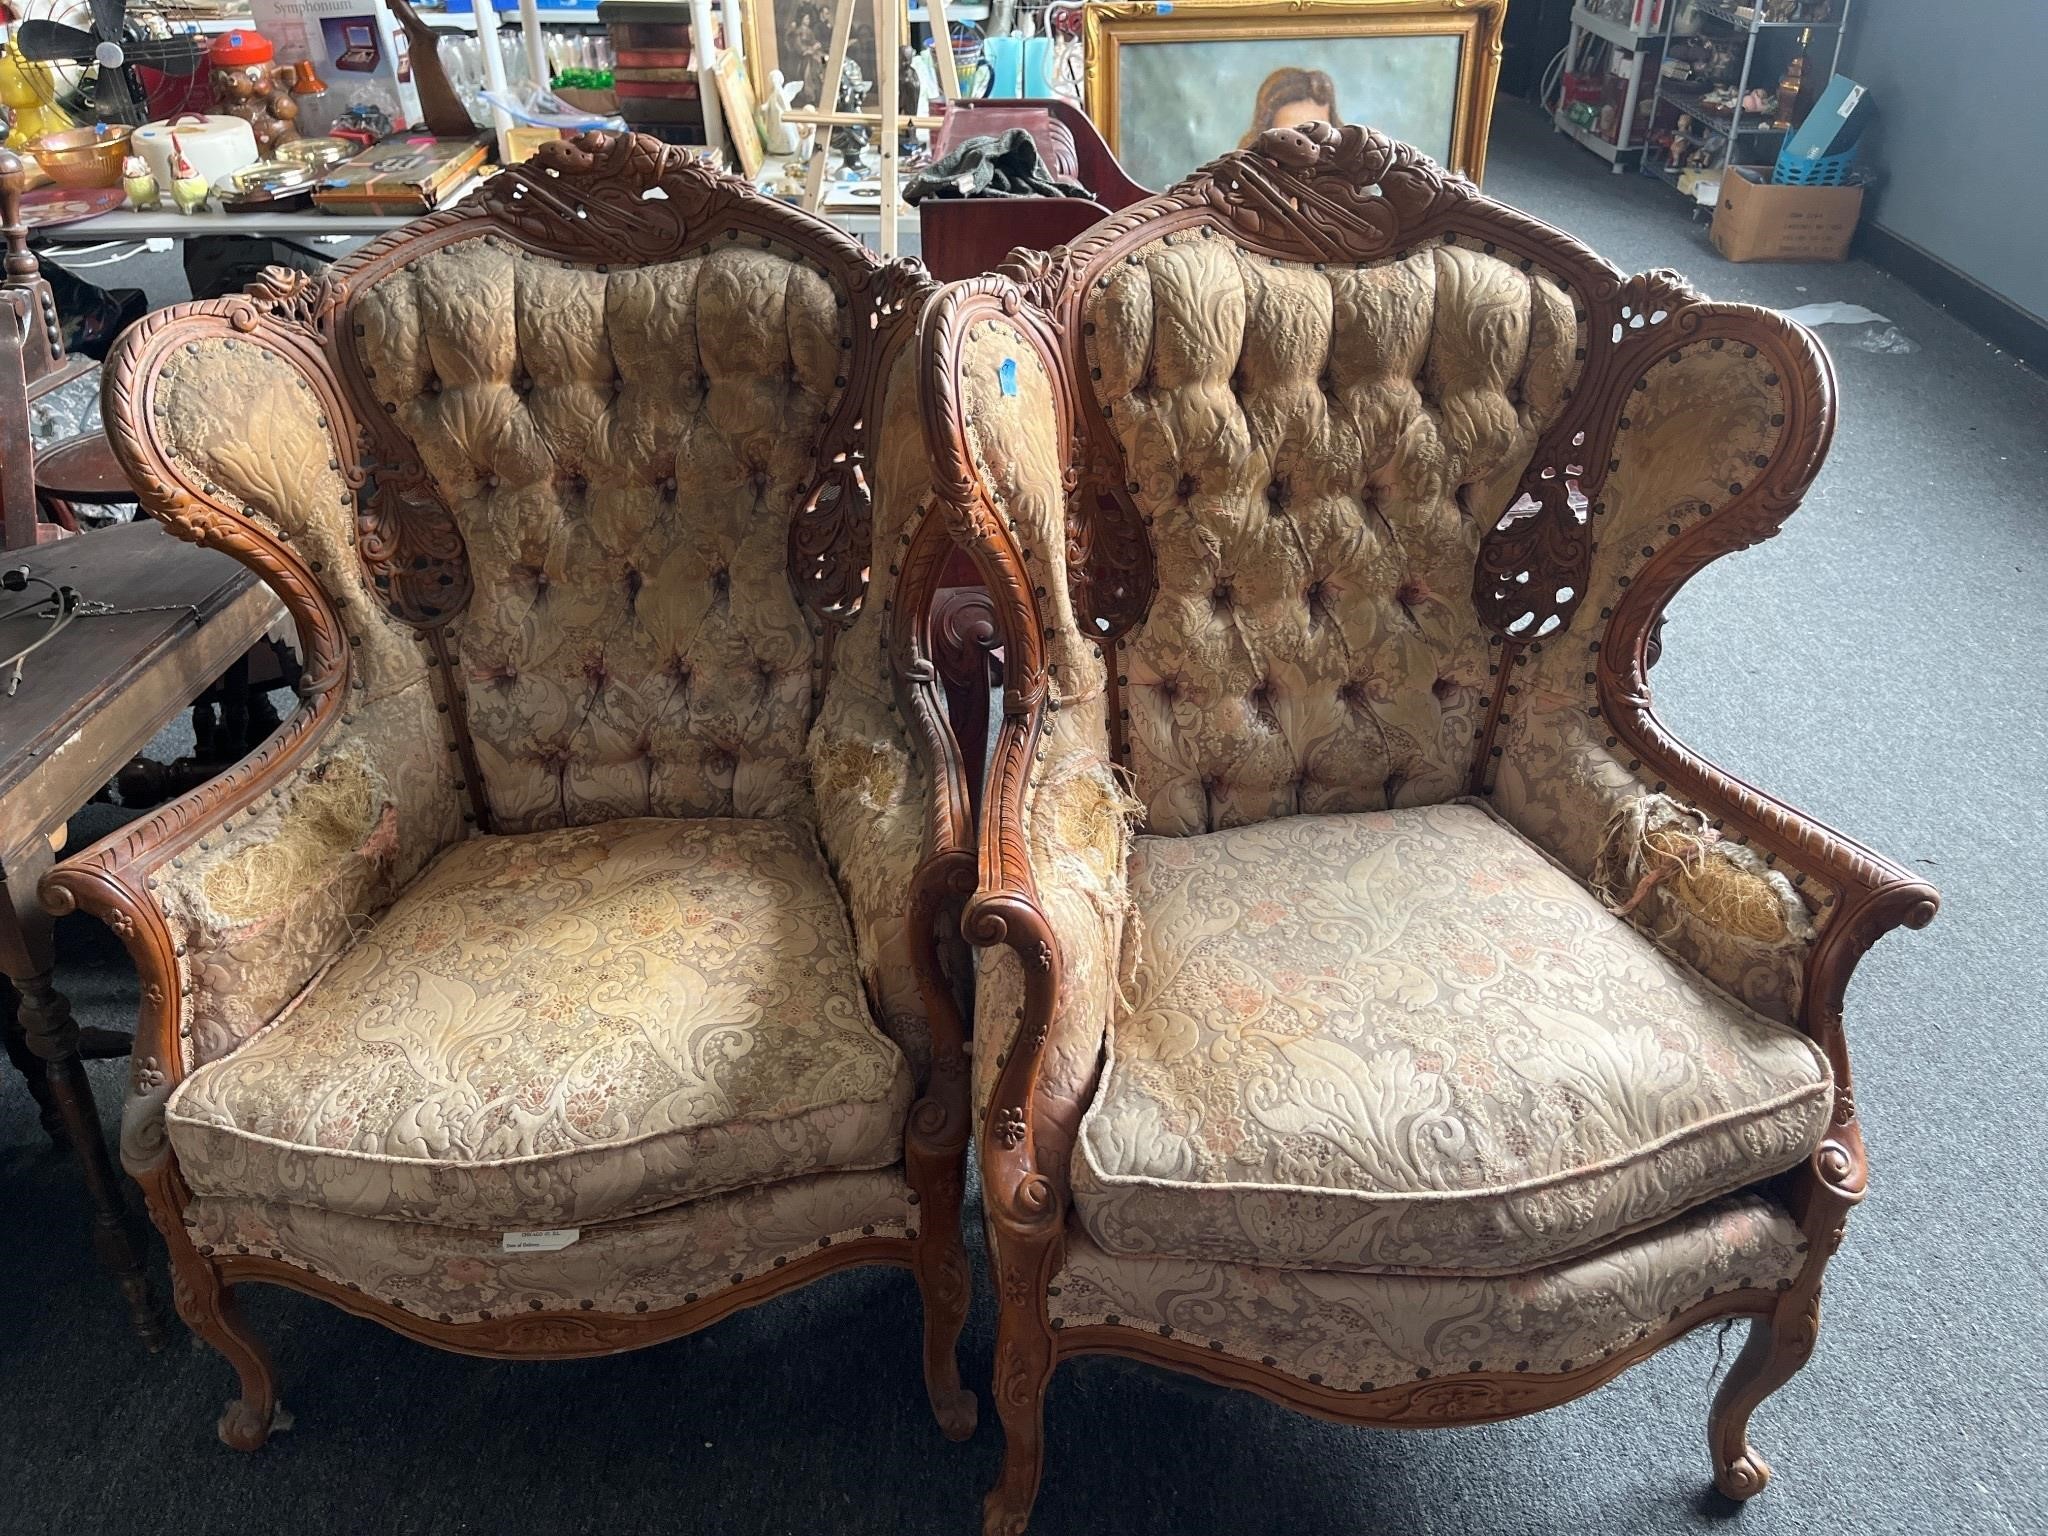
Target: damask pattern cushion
<point x="1362" y="1333"/>
<point x="1408" y="1041"/>
<point x="648" y="1263"/>
<point x="622" y="450"/>
<point x="563" y="1028"/>
<point x="1317" y="451"/>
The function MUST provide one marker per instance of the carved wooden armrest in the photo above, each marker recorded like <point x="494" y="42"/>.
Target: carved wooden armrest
<point x="1716" y="432"/>
<point x="1053" y="827"/>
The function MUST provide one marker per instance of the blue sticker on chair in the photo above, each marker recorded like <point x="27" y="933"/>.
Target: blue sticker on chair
<point x="1008" y="374"/>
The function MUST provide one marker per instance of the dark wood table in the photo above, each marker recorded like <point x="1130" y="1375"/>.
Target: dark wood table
<point x="88" y="701"/>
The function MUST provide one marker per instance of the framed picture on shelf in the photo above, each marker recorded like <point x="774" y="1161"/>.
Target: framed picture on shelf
<point x="794" y="36"/>
<point x="742" y="126"/>
<point x="1174" y="83"/>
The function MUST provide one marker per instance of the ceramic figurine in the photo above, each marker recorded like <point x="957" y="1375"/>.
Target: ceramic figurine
<point x="777" y="136"/>
<point x="30" y="97"/>
<point x="138" y="182"/>
<point x="249" y="83"/>
<point x="188" y="187"/>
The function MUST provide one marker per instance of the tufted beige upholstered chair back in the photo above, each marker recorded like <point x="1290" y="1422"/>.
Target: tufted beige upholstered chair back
<point x="621" y="449"/>
<point x="1316" y="450"/>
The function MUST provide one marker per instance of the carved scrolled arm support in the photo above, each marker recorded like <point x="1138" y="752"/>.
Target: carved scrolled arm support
<point x="990" y="537"/>
<point x="1020" y="1197"/>
<point x="1837" y="1175"/>
<point x="121" y="900"/>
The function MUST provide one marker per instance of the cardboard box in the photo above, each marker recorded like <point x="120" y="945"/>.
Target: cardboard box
<point x="356" y="47"/>
<point x="1756" y="221"/>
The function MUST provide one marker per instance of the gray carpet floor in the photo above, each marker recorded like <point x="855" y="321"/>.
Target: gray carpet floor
<point x="1877" y="664"/>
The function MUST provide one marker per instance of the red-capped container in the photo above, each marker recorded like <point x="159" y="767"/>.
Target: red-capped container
<point x="232" y="50"/>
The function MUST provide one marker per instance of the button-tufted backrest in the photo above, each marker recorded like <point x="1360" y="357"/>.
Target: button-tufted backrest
<point x="622" y="451"/>
<point x="613" y="414"/>
<point x="1317" y="449"/>
<point x="1330" y="429"/>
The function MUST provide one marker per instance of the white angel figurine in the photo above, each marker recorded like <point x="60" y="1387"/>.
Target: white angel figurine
<point x="777" y="136"/>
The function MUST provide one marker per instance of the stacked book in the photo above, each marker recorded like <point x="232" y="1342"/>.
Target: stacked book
<point x="655" y="68"/>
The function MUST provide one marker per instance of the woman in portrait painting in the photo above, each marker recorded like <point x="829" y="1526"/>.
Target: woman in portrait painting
<point x="1291" y="97"/>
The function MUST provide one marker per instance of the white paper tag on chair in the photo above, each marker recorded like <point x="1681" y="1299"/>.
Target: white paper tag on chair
<point x="541" y="1242"/>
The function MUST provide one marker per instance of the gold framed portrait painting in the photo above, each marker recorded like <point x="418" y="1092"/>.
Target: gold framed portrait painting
<point x="1174" y="83"/>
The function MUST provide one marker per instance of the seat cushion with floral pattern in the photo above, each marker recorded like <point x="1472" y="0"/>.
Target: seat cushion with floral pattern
<point x="1406" y="1040"/>
<point x="562" y="1028"/>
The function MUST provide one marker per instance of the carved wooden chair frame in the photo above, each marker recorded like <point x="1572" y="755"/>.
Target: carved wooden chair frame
<point x="603" y="200"/>
<point x="1354" y="196"/>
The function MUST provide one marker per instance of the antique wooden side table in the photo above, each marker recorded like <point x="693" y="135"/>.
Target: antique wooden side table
<point x="155" y="621"/>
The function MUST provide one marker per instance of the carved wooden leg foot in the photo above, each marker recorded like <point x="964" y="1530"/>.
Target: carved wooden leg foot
<point x="947" y="1285"/>
<point x="1023" y="1367"/>
<point x="935" y="1158"/>
<point x="208" y="1307"/>
<point x="244" y="1426"/>
<point x="1743" y="1478"/>
<point x="1005" y="1512"/>
<point x="1777" y="1347"/>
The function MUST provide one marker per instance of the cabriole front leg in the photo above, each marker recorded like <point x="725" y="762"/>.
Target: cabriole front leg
<point x="936" y="1153"/>
<point x="207" y="1304"/>
<point x="1821" y="1196"/>
<point x="1778" y="1345"/>
<point x="1025" y="1263"/>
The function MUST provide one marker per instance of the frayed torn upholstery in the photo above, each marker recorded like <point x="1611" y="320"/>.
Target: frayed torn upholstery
<point x="1656" y="845"/>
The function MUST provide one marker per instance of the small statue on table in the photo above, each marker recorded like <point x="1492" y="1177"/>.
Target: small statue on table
<point x="851" y="139"/>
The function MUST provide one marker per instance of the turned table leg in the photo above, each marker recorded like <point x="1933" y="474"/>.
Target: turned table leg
<point x="51" y="1035"/>
<point x="28" y="1064"/>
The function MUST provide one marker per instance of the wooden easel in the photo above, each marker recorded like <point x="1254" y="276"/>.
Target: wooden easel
<point x="887" y="122"/>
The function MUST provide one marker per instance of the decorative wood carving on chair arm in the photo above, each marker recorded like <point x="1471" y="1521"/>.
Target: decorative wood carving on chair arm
<point x="1006" y="909"/>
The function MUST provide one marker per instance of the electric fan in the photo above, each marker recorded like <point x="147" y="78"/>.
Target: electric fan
<point x="114" y="46"/>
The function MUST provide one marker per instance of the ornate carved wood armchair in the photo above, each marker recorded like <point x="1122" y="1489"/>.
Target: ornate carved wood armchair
<point x="560" y="977"/>
<point x="1379" y="1009"/>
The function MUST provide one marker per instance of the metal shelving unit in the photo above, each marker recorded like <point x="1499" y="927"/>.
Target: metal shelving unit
<point x="1623" y="39"/>
<point x="1726" y="135"/>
